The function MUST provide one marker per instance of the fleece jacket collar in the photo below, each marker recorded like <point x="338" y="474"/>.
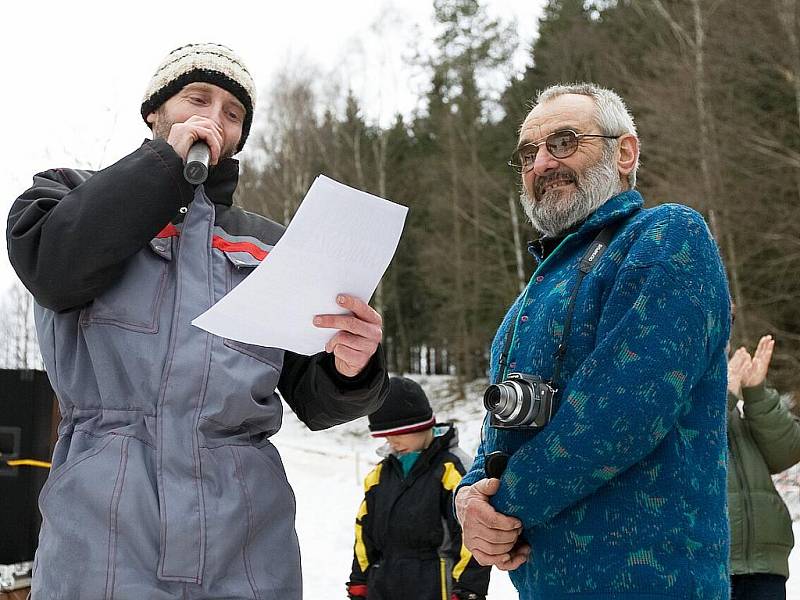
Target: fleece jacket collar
<point x="614" y="209"/>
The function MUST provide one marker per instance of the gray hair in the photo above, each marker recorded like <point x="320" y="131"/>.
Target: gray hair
<point x="612" y="116"/>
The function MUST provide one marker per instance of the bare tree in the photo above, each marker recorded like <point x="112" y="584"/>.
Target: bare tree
<point x="18" y="331"/>
<point x="284" y="148"/>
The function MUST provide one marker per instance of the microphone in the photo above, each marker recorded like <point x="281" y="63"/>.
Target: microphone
<point x="196" y="169"/>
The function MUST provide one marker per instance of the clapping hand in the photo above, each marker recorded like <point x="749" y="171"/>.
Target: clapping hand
<point x="746" y="371"/>
<point x="738" y="364"/>
<point x="756" y="372"/>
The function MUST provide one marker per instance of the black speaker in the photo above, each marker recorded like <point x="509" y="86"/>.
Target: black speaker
<point x="27" y="403"/>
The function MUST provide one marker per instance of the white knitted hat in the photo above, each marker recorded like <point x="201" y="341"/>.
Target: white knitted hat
<point x="210" y="63"/>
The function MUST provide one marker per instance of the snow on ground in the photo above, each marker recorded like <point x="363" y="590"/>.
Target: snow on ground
<point x="327" y="469"/>
<point x="788" y="484"/>
<point x="793" y="585"/>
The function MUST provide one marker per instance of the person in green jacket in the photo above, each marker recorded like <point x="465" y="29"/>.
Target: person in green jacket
<point x="763" y="439"/>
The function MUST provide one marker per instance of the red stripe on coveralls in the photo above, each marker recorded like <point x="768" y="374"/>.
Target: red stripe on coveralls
<point x="220" y="243"/>
<point x="169" y="231"/>
<point x="226" y="246"/>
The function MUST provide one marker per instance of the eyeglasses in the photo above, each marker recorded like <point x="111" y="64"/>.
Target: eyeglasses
<point x="561" y="144"/>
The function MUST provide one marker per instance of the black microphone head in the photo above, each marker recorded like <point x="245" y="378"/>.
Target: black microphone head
<point x="195" y="172"/>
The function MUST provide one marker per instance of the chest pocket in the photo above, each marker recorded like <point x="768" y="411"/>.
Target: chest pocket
<point x="134" y="301"/>
<point x="241" y="266"/>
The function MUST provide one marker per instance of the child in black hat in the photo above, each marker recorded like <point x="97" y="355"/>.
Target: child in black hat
<point x="408" y="542"/>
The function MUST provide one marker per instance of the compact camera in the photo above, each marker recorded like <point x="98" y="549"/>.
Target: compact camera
<point x="520" y="402"/>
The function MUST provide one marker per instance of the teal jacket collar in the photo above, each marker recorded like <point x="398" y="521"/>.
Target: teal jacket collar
<point x="614" y="209"/>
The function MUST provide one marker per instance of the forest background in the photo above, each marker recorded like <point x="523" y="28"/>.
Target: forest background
<point x="714" y="86"/>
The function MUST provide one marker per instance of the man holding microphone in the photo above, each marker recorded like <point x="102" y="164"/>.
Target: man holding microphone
<point x="164" y="482"/>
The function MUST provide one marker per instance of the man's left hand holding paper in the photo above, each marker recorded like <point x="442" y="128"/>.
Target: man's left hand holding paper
<point x="358" y="337"/>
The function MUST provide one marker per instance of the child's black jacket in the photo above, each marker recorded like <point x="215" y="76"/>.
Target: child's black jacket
<point x="408" y="542"/>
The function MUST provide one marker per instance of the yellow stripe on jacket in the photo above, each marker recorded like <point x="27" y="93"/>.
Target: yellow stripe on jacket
<point x="370" y="481"/>
<point x="450" y="479"/>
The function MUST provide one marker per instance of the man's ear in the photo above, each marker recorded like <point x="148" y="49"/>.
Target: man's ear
<point x="628" y="154"/>
<point x="151" y="118"/>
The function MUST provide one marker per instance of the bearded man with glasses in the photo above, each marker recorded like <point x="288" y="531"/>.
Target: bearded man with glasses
<point x="617" y="488"/>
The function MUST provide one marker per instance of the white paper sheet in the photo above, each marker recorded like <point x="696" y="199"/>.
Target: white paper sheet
<point x="341" y="240"/>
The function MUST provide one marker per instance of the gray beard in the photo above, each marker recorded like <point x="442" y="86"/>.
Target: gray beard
<point x="557" y="210"/>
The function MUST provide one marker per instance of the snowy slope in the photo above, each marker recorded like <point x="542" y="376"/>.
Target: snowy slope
<point x="327" y="468"/>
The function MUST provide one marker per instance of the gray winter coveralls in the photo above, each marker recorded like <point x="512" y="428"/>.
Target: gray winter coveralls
<point x="164" y="482"/>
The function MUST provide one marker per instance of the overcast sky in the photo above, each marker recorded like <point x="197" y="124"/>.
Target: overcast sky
<point x="74" y="72"/>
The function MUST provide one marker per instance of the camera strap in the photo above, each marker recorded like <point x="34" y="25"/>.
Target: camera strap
<point x="590" y="258"/>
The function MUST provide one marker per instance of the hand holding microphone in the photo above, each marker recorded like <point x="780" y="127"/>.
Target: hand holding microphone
<point x="199" y="142"/>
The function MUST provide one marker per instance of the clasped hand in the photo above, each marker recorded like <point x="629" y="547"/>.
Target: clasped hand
<point x="492" y="537"/>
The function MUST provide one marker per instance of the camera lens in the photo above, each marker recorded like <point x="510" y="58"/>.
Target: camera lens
<point x="501" y="399"/>
<point x="492" y="397"/>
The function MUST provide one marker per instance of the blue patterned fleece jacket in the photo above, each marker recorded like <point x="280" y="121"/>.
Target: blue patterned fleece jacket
<point x="623" y="494"/>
